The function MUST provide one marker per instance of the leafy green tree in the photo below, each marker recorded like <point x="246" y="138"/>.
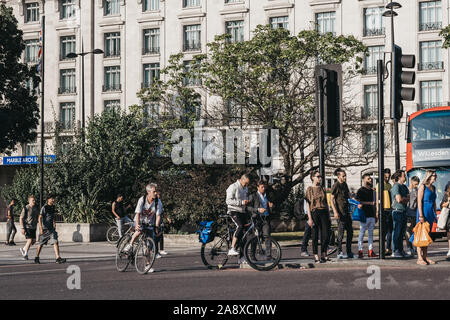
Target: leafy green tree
<point x="445" y="33"/>
<point x="19" y="112"/>
<point x="269" y="82"/>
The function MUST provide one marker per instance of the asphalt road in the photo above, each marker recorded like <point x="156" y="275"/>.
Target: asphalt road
<point x="181" y="275"/>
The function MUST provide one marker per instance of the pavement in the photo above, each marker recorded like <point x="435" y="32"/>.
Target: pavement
<point x="104" y="251"/>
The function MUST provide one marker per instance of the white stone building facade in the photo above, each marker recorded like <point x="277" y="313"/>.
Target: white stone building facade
<point x="138" y="37"/>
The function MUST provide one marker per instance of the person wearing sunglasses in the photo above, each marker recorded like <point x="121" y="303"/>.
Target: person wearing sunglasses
<point x="318" y="216"/>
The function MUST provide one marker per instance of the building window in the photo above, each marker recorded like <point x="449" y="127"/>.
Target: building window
<point x="279" y="22"/>
<point x="192" y="36"/>
<point x="373" y="22"/>
<point x="67" y="9"/>
<point x="431" y="55"/>
<point x="112" y="79"/>
<point x="430" y="15"/>
<point x="31" y="149"/>
<point x="67" y="81"/>
<point x="326" y="22"/>
<point x="190" y="81"/>
<point x="31" y="50"/>
<point x="112" y="44"/>
<point x="151" y="41"/>
<point x="31" y="12"/>
<point x="68" y="45"/>
<point x="111" y="7"/>
<point x="370" y="110"/>
<point x="66" y="144"/>
<point x="191" y="3"/>
<point x="370" y="139"/>
<point x="151" y="73"/>
<point x="150" y="5"/>
<point x="151" y="111"/>
<point x="430" y="94"/>
<point x="112" y="105"/>
<point x="375" y="53"/>
<point x="233" y="113"/>
<point x="67" y="115"/>
<point x="236" y="30"/>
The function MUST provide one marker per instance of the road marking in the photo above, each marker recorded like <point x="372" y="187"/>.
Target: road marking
<point x="31" y="272"/>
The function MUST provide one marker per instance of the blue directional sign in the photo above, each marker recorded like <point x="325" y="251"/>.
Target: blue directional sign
<point x="11" y="161"/>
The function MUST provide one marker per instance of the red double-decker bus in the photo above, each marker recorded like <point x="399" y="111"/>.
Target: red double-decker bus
<point x="428" y="147"/>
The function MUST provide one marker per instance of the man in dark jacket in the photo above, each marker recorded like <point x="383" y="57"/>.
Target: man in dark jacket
<point x="260" y="205"/>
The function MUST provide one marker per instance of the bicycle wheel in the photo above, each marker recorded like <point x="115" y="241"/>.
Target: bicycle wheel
<point x="215" y="253"/>
<point x="112" y="235"/>
<point x="262" y="255"/>
<point x="145" y="255"/>
<point x="123" y="258"/>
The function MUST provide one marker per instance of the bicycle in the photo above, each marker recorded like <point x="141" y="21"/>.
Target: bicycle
<point x="142" y="253"/>
<point x="112" y="234"/>
<point x="262" y="254"/>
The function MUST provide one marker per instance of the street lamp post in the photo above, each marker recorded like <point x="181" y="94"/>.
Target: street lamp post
<point x="73" y="55"/>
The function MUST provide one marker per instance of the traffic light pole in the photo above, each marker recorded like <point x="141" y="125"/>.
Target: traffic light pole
<point x="380" y="78"/>
<point x="320" y="126"/>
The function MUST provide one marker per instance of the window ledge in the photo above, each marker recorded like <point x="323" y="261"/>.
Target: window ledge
<point x="430" y="70"/>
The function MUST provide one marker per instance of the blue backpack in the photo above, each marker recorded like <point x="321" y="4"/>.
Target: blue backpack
<point x="357" y="214"/>
<point x="206" y="232"/>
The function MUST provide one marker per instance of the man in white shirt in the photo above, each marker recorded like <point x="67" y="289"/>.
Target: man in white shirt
<point x="237" y="200"/>
<point x="148" y="217"/>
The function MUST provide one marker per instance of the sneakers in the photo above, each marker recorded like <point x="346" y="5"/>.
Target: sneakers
<point x="341" y="255"/>
<point x="448" y="254"/>
<point x="24" y="254"/>
<point x="60" y="260"/>
<point x="242" y="261"/>
<point x="372" y="254"/>
<point x="158" y="256"/>
<point x="127" y="248"/>
<point x="149" y="269"/>
<point x="306" y="254"/>
<point x="331" y="251"/>
<point x="12" y="243"/>
<point x="233" y="252"/>
<point x="163" y="253"/>
<point x="36" y="260"/>
<point x="350" y="255"/>
<point x="397" y="255"/>
<point x="388" y="252"/>
<point x="360" y="254"/>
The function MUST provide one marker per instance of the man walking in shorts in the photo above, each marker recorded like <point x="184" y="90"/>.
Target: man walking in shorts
<point x="47" y="226"/>
<point x="28" y="223"/>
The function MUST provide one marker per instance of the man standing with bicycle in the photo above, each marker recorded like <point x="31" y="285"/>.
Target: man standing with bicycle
<point x="119" y="212"/>
<point x="237" y="200"/>
<point x="260" y="205"/>
<point x="148" y="218"/>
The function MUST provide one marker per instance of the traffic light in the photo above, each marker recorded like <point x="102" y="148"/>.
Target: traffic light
<point x="332" y="106"/>
<point x="329" y="78"/>
<point x="401" y="77"/>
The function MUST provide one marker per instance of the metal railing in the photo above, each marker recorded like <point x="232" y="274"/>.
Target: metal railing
<point x="427" y="105"/>
<point x="192" y="46"/>
<point x="370" y="70"/>
<point x="374" y="32"/>
<point x="430" y="26"/>
<point x="150" y="50"/>
<point x="369" y="113"/>
<point x="65" y="90"/>
<point x="112" y="87"/>
<point x="438" y="65"/>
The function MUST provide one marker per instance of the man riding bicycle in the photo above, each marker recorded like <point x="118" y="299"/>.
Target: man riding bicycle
<point x="148" y="217"/>
<point x="237" y="200"/>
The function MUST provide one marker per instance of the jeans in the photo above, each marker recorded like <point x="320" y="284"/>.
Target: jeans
<point x="345" y="224"/>
<point x="368" y="225"/>
<point x="321" y="219"/>
<point x="399" y="219"/>
<point x="306" y="237"/>
<point x="10" y="230"/>
<point x="150" y="231"/>
<point x="387" y="229"/>
<point x="120" y="222"/>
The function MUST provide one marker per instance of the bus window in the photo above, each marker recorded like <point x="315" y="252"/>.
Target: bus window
<point x="431" y="126"/>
